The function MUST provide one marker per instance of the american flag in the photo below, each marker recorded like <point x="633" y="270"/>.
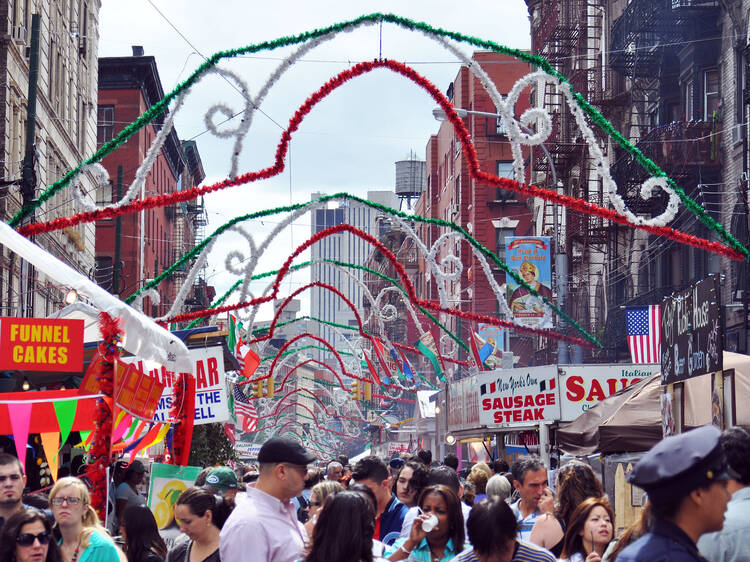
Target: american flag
<point x="643" y="326"/>
<point x="246" y="414"/>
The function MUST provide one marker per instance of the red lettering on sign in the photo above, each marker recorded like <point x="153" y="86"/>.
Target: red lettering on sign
<point x="213" y="371"/>
<point x="574" y="384"/>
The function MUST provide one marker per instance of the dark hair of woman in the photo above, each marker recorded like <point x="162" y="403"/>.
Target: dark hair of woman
<point x="12" y="530"/>
<point x="142" y="534"/>
<point x="455" y="516"/>
<point x="576" y="481"/>
<point x="200" y="500"/>
<point x="573" y="541"/>
<point x="347" y="510"/>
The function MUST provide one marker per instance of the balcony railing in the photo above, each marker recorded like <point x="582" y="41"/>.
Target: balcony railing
<point x="680" y="144"/>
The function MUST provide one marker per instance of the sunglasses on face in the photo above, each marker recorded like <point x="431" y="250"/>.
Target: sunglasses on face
<point x="314" y="504"/>
<point x="27" y="539"/>
<point x="70" y="501"/>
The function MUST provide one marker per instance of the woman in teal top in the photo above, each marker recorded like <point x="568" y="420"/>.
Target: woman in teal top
<point x="445" y="540"/>
<point x="83" y="537"/>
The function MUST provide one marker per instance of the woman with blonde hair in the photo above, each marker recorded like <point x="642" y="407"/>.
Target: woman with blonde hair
<point x="83" y="537"/>
<point x="319" y="493"/>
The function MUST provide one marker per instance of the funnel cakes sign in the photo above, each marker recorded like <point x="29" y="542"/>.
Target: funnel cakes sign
<point x="41" y="344"/>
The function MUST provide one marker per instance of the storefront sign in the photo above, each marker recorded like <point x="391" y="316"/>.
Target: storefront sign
<point x="247" y="450"/>
<point x="210" y="389"/>
<point x="584" y="386"/>
<point x="41" y="344"/>
<point x="691" y="338"/>
<point x="514" y="397"/>
<point x="529" y="256"/>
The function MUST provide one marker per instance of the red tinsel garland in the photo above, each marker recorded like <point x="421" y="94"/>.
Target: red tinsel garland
<point x="401" y="274"/>
<point x="101" y="441"/>
<point x="183" y="412"/>
<point x="461" y="131"/>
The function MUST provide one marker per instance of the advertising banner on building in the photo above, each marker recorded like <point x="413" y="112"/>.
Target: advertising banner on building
<point x="516" y="397"/>
<point x="492" y="340"/>
<point x="691" y="337"/>
<point x="530" y="257"/>
<point x="41" y="344"/>
<point x="584" y="386"/>
<point x="211" y="403"/>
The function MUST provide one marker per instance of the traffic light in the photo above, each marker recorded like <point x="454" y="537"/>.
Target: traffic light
<point x="368" y="391"/>
<point x="258" y="389"/>
<point x="269" y="387"/>
<point x="357" y="390"/>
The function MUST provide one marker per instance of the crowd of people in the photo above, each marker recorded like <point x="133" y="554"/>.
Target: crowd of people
<point x="409" y="508"/>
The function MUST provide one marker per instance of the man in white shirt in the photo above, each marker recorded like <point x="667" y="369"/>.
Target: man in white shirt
<point x="530" y="479"/>
<point x="265" y="523"/>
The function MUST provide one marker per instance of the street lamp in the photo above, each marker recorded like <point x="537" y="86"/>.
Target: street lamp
<point x="561" y="262"/>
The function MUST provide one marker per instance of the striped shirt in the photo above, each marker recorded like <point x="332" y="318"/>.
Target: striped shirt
<point x="525" y="524"/>
<point x="525" y="552"/>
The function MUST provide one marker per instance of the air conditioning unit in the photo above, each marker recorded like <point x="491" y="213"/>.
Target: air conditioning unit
<point x="18" y="34"/>
<point x="738" y="132"/>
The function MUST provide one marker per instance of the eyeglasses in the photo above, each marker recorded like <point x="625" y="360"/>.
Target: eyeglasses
<point x="70" y="501"/>
<point x="11" y="477"/>
<point x="27" y="539"/>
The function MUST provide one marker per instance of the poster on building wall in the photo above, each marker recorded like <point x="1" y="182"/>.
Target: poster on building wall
<point x="493" y="338"/>
<point x="691" y="335"/>
<point x="516" y="397"/>
<point x="584" y="386"/>
<point x="530" y="257"/>
<point x="211" y="403"/>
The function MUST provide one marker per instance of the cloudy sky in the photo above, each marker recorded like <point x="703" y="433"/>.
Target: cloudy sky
<point x="350" y="141"/>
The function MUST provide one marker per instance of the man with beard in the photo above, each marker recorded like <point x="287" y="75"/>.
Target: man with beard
<point x="12" y="483"/>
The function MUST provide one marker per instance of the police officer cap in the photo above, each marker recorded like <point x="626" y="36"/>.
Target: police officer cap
<point x="679" y="464"/>
<point x="281" y="449"/>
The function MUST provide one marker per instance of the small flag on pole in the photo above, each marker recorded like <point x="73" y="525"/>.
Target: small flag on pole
<point x="246" y="413"/>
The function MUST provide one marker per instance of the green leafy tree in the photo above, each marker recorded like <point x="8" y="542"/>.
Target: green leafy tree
<point x="210" y="446"/>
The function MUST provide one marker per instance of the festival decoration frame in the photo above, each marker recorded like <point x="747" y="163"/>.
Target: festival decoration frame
<point x="579" y="106"/>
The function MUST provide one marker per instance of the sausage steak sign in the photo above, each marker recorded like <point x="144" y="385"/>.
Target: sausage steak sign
<point x="584" y="386"/>
<point x="518" y="396"/>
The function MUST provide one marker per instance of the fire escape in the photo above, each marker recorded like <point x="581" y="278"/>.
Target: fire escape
<point x="568" y="33"/>
<point x="663" y="96"/>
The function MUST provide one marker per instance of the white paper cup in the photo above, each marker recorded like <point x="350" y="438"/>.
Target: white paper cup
<point x="430" y="523"/>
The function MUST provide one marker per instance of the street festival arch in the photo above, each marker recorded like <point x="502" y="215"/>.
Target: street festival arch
<point x="354" y="363"/>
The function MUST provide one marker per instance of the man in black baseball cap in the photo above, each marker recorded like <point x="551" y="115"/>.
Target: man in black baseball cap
<point x="267" y="519"/>
<point x="685" y="477"/>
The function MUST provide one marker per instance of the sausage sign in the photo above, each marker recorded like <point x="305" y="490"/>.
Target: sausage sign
<point x="584" y="386"/>
<point x="518" y="397"/>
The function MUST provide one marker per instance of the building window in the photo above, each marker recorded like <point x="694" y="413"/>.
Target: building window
<point x="105" y="124"/>
<point x="505" y="169"/>
<point x="710" y="93"/>
<point x="501" y="234"/>
<point x="104" y="193"/>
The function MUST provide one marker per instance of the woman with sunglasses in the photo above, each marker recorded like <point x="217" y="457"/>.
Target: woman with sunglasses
<point x="83" y="537"/>
<point x="319" y="493"/>
<point x="27" y="537"/>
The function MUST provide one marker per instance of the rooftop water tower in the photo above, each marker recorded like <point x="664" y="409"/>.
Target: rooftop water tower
<point x="410" y="179"/>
